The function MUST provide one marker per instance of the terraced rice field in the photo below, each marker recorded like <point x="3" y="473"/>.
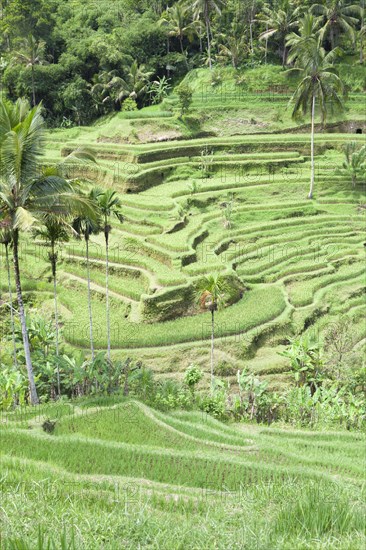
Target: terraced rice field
<point x="125" y="476"/>
<point x="117" y="474"/>
<point x="300" y="263"/>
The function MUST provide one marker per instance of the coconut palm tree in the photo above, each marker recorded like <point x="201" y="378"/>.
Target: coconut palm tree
<point x="27" y="193"/>
<point x="308" y="29"/>
<point x="338" y="18"/>
<point x="108" y="87"/>
<point x="85" y="226"/>
<point x="6" y="240"/>
<point x="279" y="22"/>
<point x="54" y="231"/>
<point x="320" y="84"/>
<point x="32" y="54"/>
<point x="109" y="206"/>
<point x="211" y="293"/>
<point x="233" y="47"/>
<point x="203" y="9"/>
<point x="175" y="21"/>
<point x="354" y="164"/>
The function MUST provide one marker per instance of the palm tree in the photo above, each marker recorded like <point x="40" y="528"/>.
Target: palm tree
<point x="234" y="47"/>
<point x="109" y="206"/>
<point x="320" y="83"/>
<point x="211" y="292"/>
<point x="338" y="18"/>
<point x="203" y="9"/>
<point x="354" y="164"/>
<point x="279" y="22"/>
<point x="85" y="226"/>
<point x="175" y="22"/>
<point x="32" y="54"/>
<point x="54" y="231"/>
<point x="6" y="240"/>
<point x="109" y="87"/>
<point x="308" y="29"/>
<point x="26" y="193"/>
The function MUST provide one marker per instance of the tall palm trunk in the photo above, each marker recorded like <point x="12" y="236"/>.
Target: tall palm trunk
<point x="11" y="305"/>
<point x="89" y="299"/>
<point x="28" y="360"/>
<point x="212" y="347"/>
<point x="33" y="89"/>
<point x="168" y="52"/>
<point x="362" y="22"/>
<point x="332" y="37"/>
<point x="312" y="177"/>
<point x="208" y="41"/>
<point x="106" y="235"/>
<point x="54" y="275"/>
<point x="284" y="56"/>
<point x="251" y="30"/>
<point x="182" y="50"/>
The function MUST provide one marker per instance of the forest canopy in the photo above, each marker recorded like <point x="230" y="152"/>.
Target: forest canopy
<point x="84" y="59"/>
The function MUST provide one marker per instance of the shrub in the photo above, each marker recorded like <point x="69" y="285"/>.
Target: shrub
<point x="192" y="376"/>
<point x="185" y="94"/>
<point x="215" y="404"/>
<point x="129" y="104"/>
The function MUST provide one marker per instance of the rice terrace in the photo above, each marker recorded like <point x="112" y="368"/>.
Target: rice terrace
<point x="182" y="275"/>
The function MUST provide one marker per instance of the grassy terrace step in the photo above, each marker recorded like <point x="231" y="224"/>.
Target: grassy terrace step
<point x="154" y="176"/>
<point x="152" y="152"/>
<point x="131" y="258"/>
<point x="217" y="158"/>
<point x="149" y="429"/>
<point x="272" y="244"/>
<point x="263" y="303"/>
<point x="83" y="455"/>
<point x="301" y="292"/>
<point x="130" y="439"/>
<point x="119" y="284"/>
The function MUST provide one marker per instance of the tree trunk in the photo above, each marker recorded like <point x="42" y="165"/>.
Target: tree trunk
<point x="107" y="292"/>
<point x="33" y="90"/>
<point x="28" y="360"/>
<point x="89" y="300"/>
<point x="11" y="306"/>
<point x="312" y="177"/>
<point x="208" y="42"/>
<point x="284" y="56"/>
<point x="127" y="371"/>
<point x="332" y="39"/>
<point x="54" y="275"/>
<point x="362" y="22"/>
<point x="182" y="50"/>
<point x="266" y="48"/>
<point x="212" y="347"/>
<point x="168" y="52"/>
<point x="252" y="12"/>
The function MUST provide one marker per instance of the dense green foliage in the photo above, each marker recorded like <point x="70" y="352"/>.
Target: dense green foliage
<point x="84" y="59"/>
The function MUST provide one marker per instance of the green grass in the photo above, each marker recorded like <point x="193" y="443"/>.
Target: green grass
<point x="117" y="472"/>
